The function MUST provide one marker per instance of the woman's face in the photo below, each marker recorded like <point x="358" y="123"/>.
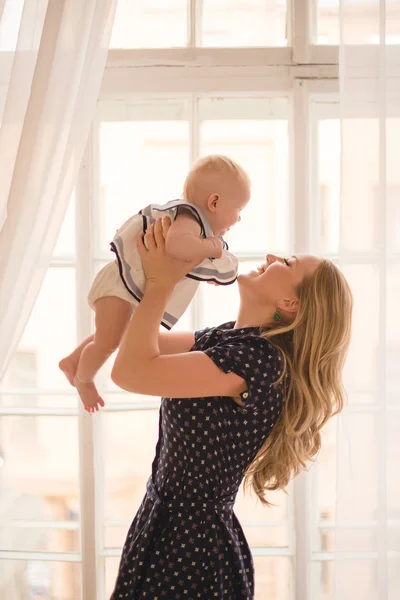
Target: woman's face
<point x="275" y="282"/>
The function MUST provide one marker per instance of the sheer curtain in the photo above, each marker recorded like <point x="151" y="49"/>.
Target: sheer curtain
<point x="367" y="537"/>
<point x="52" y="58"/>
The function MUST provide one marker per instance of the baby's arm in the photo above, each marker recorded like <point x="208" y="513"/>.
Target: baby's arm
<point x="184" y="242"/>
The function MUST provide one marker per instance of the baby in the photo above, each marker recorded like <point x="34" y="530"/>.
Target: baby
<point x="216" y="190"/>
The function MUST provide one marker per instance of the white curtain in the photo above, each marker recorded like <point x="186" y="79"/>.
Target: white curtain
<point x="52" y="58"/>
<point x="367" y="536"/>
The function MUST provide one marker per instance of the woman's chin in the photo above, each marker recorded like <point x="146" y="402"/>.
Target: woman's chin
<point x="249" y="275"/>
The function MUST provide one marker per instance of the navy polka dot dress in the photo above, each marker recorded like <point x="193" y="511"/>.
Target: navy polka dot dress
<point x="185" y="542"/>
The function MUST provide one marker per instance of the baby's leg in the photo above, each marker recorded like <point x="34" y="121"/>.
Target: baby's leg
<point x="112" y="317"/>
<point x="69" y="364"/>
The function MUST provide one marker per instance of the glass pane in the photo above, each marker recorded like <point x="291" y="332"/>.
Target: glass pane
<point x="322" y="580"/>
<point x="328" y="189"/>
<point x="324" y="479"/>
<point x="233" y="23"/>
<point x="360" y="466"/>
<point x="360" y="20"/>
<point x="33" y="580"/>
<point x="129" y="442"/>
<point x="220" y="304"/>
<point x="10" y="24"/>
<point x="22" y="398"/>
<point x="150" y="24"/>
<point x="394" y="578"/>
<point x="254" y="132"/>
<point x="39" y="478"/>
<point x="361" y="369"/>
<point x="66" y="239"/>
<point x="393" y="334"/>
<point x="362" y="197"/>
<point x="273" y="578"/>
<point x="40" y="537"/>
<point x="111" y="570"/>
<point x="251" y="514"/>
<point x="360" y="575"/>
<point x="348" y="575"/>
<point x="140" y="162"/>
<point x="49" y="335"/>
<point x="393" y="479"/>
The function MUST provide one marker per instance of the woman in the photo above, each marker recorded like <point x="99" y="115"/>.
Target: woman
<point x="246" y="399"/>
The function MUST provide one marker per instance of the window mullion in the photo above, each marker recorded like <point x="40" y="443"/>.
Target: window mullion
<point x="86" y="421"/>
<point x="300" y="199"/>
<point x="301" y="35"/>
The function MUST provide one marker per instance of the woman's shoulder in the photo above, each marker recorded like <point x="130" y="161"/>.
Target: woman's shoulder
<point x="245" y="340"/>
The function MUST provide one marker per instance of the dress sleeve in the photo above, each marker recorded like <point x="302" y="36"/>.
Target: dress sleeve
<point x="199" y="334"/>
<point x="257" y="361"/>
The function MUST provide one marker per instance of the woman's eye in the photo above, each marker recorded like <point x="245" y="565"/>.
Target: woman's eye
<point x="285" y="260"/>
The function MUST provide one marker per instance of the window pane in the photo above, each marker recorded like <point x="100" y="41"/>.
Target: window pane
<point x="219" y="304"/>
<point x="328" y="190"/>
<point x="393" y="335"/>
<point x="129" y="442"/>
<point x="48" y="336"/>
<point x="254" y="132"/>
<point x="23" y="580"/>
<point x="394" y="579"/>
<point x="363" y="215"/>
<point x="111" y="570"/>
<point x="150" y="24"/>
<point x="233" y="23"/>
<point x="39" y="537"/>
<point x="361" y="368"/>
<point x="141" y="162"/>
<point x="360" y="20"/>
<point x="10" y="23"/>
<point x="66" y="239"/>
<point x="39" y="476"/>
<point x="360" y="575"/>
<point x="322" y="580"/>
<point x="272" y="578"/>
<point x="251" y="514"/>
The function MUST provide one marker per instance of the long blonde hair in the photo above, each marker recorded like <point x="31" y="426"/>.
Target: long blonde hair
<point x="313" y="348"/>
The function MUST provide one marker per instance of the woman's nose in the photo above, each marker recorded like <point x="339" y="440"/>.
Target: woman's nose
<point x="271" y="258"/>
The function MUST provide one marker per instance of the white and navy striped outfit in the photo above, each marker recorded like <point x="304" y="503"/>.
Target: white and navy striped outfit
<point x="125" y="277"/>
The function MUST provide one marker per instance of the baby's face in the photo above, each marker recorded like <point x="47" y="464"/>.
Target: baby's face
<point x="232" y="200"/>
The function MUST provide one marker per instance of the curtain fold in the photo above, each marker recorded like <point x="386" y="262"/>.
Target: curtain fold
<point x="52" y="59"/>
<point x="367" y="535"/>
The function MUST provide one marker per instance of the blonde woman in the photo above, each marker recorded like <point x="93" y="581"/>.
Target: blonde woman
<point x="246" y="399"/>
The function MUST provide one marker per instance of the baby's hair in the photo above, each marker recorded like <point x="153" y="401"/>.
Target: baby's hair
<point x="214" y="166"/>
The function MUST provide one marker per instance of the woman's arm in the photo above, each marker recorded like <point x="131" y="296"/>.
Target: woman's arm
<point x="140" y="367"/>
<point x="175" y="342"/>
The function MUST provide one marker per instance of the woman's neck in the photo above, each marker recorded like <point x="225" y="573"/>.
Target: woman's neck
<point x="253" y="316"/>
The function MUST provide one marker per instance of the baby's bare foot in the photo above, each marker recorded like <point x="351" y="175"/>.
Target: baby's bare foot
<point x="89" y="395"/>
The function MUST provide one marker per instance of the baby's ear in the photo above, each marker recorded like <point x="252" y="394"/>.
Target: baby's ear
<point x="212" y="202"/>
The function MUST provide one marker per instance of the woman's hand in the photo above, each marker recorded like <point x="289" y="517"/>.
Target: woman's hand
<point x="159" y="267"/>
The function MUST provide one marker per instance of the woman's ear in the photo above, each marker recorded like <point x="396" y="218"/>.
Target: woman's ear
<point x="212" y="202"/>
<point x="290" y="305"/>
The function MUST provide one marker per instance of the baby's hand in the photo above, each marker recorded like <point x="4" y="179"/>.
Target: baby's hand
<point x="218" y="246"/>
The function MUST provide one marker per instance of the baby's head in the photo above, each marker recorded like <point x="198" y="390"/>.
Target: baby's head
<point x="220" y="187"/>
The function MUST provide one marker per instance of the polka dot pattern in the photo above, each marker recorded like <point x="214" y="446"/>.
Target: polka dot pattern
<point x="185" y="542"/>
